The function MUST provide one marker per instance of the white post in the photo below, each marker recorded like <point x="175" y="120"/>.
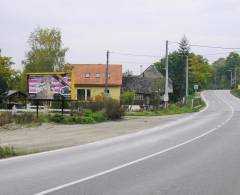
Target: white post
<point x="186" y="100"/>
<point x="166" y="97"/>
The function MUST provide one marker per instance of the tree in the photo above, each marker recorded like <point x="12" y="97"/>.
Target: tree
<point x="46" y="52"/>
<point x="6" y="70"/>
<point x="200" y="71"/>
<point x="222" y="68"/>
<point x="219" y="75"/>
<point x="127" y="98"/>
<point x="184" y="46"/>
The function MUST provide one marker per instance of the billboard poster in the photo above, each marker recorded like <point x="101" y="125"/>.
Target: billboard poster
<point x="44" y="86"/>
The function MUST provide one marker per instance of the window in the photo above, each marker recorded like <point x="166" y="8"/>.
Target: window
<point x="87" y="75"/>
<point x="109" y="75"/>
<point x="97" y="75"/>
<point x="83" y="94"/>
<point x="88" y="91"/>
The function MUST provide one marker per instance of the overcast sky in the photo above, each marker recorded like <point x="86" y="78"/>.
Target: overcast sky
<point x="90" y="27"/>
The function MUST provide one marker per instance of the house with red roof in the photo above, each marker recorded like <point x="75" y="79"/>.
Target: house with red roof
<point x="89" y="80"/>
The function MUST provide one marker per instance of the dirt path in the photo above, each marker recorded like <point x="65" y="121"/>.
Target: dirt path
<point x="52" y="136"/>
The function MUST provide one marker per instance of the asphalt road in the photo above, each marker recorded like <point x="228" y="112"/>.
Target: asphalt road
<point x="197" y="155"/>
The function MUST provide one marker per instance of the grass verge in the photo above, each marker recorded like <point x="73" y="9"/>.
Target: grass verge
<point x="6" y="152"/>
<point x="236" y="92"/>
<point x="173" y="109"/>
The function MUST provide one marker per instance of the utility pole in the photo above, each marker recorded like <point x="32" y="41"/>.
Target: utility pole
<point x="106" y="75"/>
<point x="166" y="97"/>
<point x="186" y="100"/>
<point x="235" y="76"/>
<point x="231" y="78"/>
<point x="215" y="80"/>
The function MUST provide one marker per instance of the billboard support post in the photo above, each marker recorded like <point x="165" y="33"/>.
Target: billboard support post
<point x="62" y="105"/>
<point x="37" y="108"/>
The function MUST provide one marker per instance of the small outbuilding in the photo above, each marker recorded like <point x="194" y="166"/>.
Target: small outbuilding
<point x="15" y="98"/>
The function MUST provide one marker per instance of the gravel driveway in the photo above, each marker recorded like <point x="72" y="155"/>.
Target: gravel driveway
<point x="51" y="136"/>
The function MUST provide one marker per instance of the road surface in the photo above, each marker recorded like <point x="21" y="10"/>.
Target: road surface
<point x="197" y="155"/>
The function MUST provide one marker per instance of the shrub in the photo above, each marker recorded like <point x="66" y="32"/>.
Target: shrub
<point x="87" y="113"/>
<point x="57" y="118"/>
<point x="58" y="104"/>
<point x="113" y="109"/>
<point x="86" y="120"/>
<point x="5" y="118"/>
<point x="99" y="117"/>
<point x="7" y="152"/>
<point x="98" y="104"/>
<point x="127" y="97"/>
<point x="68" y="120"/>
<point x="24" y="118"/>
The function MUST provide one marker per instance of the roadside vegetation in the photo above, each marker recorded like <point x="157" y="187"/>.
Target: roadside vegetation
<point x="6" y="151"/>
<point x="172" y="109"/>
<point x="103" y="109"/>
<point x="236" y="92"/>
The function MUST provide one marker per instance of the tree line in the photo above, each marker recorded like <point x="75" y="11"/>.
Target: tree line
<point x="47" y="54"/>
<point x="200" y="71"/>
<point x="224" y="69"/>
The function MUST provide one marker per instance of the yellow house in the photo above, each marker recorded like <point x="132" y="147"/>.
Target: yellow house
<point x="89" y="80"/>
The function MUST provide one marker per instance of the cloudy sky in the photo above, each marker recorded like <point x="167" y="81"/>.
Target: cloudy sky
<point x="91" y="27"/>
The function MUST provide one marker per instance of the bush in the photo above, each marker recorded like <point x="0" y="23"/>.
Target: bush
<point x="98" y="104"/>
<point x="113" y="109"/>
<point x="99" y="117"/>
<point x="127" y="97"/>
<point x="7" y="152"/>
<point x="87" y="113"/>
<point x="24" y="118"/>
<point x="86" y="120"/>
<point x="57" y="118"/>
<point x="5" y="118"/>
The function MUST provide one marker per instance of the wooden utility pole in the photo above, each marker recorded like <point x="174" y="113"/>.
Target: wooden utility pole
<point x="106" y="75"/>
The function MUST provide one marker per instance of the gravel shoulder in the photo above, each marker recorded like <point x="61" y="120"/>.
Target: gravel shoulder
<point x="53" y="136"/>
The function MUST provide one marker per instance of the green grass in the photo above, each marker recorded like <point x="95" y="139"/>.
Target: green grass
<point x="173" y="109"/>
<point x="6" y="152"/>
<point x="236" y="92"/>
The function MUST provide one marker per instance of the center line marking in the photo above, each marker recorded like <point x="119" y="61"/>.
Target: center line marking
<point x="143" y="158"/>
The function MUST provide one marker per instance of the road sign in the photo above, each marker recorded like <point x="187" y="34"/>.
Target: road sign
<point x="195" y="87"/>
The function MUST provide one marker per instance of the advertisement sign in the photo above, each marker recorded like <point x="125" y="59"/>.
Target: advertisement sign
<point x="49" y="86"/>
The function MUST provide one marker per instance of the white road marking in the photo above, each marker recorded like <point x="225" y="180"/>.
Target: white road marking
<point x="118" y="138"/>
<point x="143" y="158"/>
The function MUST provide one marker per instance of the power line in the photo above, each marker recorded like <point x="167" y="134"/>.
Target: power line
<point x="212" y="54"/>
<point x="134" y="62"/>
<point x="209" y="46"/>
<point x="138" y="55"/>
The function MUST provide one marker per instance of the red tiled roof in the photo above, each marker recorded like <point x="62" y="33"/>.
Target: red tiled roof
<point x="115" y="71"/>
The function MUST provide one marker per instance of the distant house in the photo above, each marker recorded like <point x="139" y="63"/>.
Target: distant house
<point x="89" y="80"/>
<point x="14" y="98"/>
<point x="146" y="85"/>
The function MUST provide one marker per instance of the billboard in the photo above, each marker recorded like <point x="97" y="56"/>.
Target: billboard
<point x="49" y="86"/>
